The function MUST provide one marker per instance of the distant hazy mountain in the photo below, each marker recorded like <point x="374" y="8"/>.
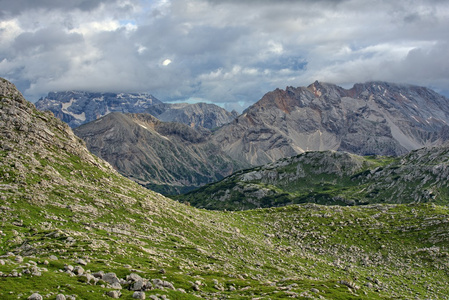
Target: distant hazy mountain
<point x="199" y="114"/>
<point x="77" y="108"/>
<point x="167" y="157"/>
<point x="333" y="178"/>
<point x="371" y="118"/>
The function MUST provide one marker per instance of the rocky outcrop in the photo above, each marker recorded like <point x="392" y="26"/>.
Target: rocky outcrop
<point x="371" y="118"/>
<point x="205" y="115"/>
<point x="78" y="107"/>
<point x="164" y="156"/>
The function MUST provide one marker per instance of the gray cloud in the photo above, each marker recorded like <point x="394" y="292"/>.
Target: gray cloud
<point x="16" y="7"/>
<point x="227" y="52"/>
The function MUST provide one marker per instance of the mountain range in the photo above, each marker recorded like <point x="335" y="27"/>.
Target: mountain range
<point x="375" y="118"/>
<point x="81" y="107"/>
<point x="73" y="228"/>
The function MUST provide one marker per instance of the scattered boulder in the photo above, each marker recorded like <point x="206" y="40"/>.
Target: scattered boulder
<point x="60" y="297"/>
<point x="114" y="294"/>
<point x="161" y="284"/>
<point x="110" y="278"/>
<point x="81" y="262"/>
<point x="78" y="270"/>
<point x="139" y="295"/>
<point x="98" y="274"/>
<point x="35" y="296"/>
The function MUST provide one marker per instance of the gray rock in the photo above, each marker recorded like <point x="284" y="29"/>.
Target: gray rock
<point x="90" y="278"/>
<point x="139" y="295"/>
<point x="78" y="270"/>
<point x="68" y="268"/>
<point x="139" y="285"/>
<point x="35" y="296"/>
<point x="114" y="294"/>
<point x="110" y="278"/>
<point x="161" y="284"/>
<point x="116" y="286"/>
<point x="81" y="262"/>
<point x="133" y="277"/>
<point x="98" y="274"/>
<point x="60" y="297"/>
<point x="35" y="271"/>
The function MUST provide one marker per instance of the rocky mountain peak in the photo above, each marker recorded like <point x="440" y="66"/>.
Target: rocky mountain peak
<point x="323" y="89"/>
<point x="371" y="118"/>
<point x="204" y="115"/>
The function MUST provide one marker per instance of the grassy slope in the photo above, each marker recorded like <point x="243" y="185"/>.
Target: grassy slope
<point x="60" y="200"/>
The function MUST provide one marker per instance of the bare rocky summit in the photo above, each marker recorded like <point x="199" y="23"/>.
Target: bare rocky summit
<point x="79" y="107"/>
<point x="205" y="115"/>
<point x="372" y="118"/>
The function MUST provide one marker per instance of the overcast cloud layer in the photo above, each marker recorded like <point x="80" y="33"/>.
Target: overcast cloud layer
<point x="227" y="52"/>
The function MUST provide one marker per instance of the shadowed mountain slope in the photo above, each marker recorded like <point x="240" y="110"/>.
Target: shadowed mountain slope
<point x="166" y="157"/>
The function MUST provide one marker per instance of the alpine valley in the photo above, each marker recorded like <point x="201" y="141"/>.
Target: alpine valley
<point x="72" y="227"/>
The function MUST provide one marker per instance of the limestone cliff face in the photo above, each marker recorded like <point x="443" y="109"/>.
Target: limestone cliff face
<point x="164" y="156"/>
<point x="371" y="118"/>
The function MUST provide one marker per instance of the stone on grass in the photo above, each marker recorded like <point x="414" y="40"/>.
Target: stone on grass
<point x="116" y="286"/>
<point x="139" y="295"/>
<point x="35" y="296"/>
<point x="110" y="278"/>
<point x="114" y="294"/>
<point x="60" y="297"/>
<point x="81" y="262"/>
<point x="78" y="270"/>
<point x="99" y="274"/>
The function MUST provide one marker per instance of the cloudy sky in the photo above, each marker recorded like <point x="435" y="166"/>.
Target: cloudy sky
<point x="227" y="52"/>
